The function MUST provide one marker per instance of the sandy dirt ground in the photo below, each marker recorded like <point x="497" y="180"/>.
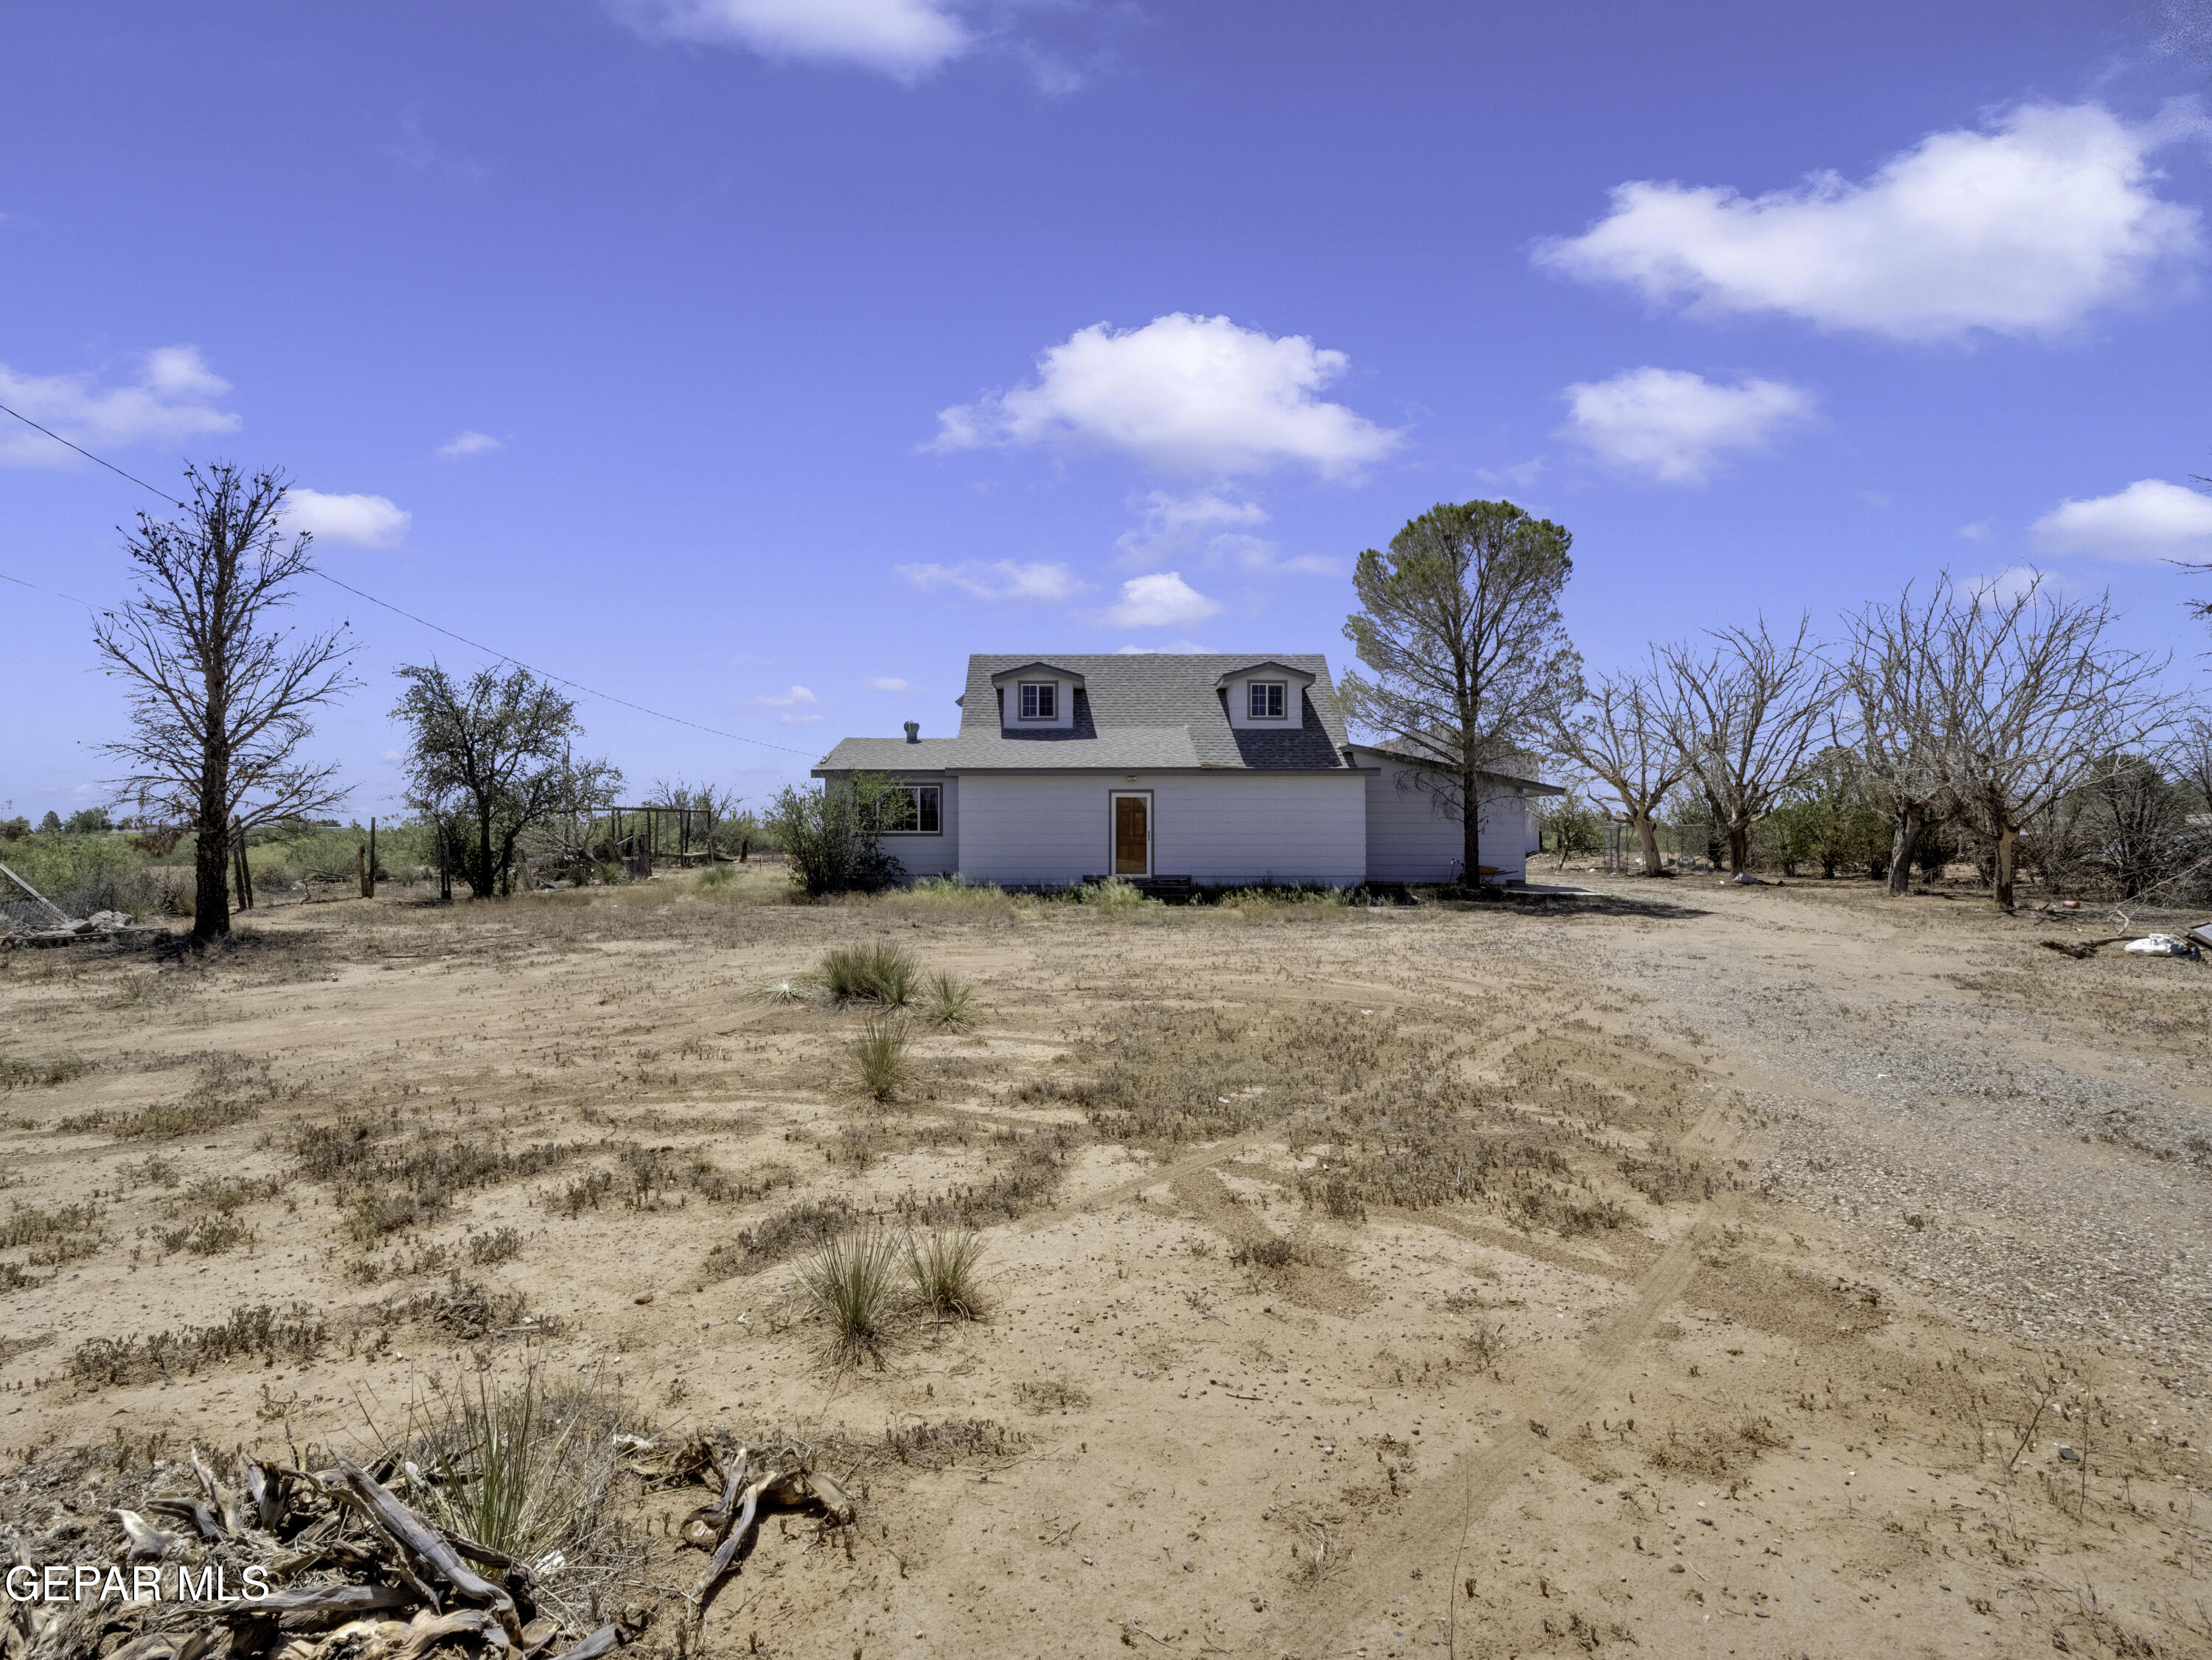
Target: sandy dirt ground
<point x="1669" y="1269"/>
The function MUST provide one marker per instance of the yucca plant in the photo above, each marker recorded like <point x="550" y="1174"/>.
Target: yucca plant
<point x="942" y="1264"/>
<point x="880" y="1066"/>
<point x="881" y="973"/>
<point x="522" y="1467"/>
<point x="849" y="1279"/>
<point x="949" y="1003"/>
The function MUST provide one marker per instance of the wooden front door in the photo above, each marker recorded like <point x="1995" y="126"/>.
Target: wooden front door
<point x="1133" y="836"/>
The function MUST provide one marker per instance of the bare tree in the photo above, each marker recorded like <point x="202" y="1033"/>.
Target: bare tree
<point x="1743" y="717"/>
<point x="2191" y="756"/>
<point x="1615" y="734"/>
<point x="220" y="698"/>
<point x="1889" y="674"/>
<point x="2026" y="700"/>
<point x="1461" y="627"/>
<point x="489" y="760"/>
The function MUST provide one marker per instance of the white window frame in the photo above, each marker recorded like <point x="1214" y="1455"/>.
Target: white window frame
<point x="914" y="792"/>
<point x="1044" y="705"/>
<point x="1254" y="690"/>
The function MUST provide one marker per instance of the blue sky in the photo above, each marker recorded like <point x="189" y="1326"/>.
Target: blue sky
<point x="758" y="359"/>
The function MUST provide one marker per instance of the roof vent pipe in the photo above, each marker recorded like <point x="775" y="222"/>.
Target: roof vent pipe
<point x="913" y="731"/>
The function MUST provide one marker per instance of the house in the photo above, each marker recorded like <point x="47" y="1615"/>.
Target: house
<point x="1219" y="770"/>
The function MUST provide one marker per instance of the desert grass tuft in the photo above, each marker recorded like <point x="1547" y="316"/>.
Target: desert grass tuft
<point x="950" y="1003"/>
<point x="943" y="1266"/>
<point x="880" y="1065"/>
<point x="881" y="973"/>
<point x="849" y="1279"/>
<point x="786" y="990"/>
<point x="1115" y="898"/>
<point x="524" y="1466"/>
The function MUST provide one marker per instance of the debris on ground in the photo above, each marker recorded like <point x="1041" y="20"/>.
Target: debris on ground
<point x="2160" y="945"/>
<point x="174" y="1561"/>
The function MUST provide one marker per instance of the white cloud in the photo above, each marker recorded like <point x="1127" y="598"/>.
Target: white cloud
<point x="886" y="683"/>
<point x="2149" y="519"/>
<point x="797" y="720"/>
<point x="172" y="400"/>
<point x="1978" y="531"/>
<point x="1674" y="425"/>
<point x="905" y="39"/>
<point x="1185" y="394"/>
<point x="1164" y="600"/>
<point x="1181" y="648"/>
<point x="1004" y="578"/>
<point x="2022" y="228"/>
<point x="461" y="446"/>
<point x="359" y="521"/>
<point x="796" y="694"/>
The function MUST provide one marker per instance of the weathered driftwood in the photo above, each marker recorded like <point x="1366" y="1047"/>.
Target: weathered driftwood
<point x="319" y="1602"/>
<point x="414" y="1537"/>
<point x="146" y="1542"/>
<point x="600" y="1642"/>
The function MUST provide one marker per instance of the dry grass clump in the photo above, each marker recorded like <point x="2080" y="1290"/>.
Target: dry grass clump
<point x="385" y="1185"/>
<point x="1662" y="1180"/>
<point x="655" y="1173"/>
<point x="942" y="1264"/>
<point x="849" y="1279"/>
<point x="880" y="972"/>
<point x="950" y="1003"/>
<point x="1712" y="1453"/>
<point x="208" y="1236"/>
<point x="1431" y="1157"/>
<point x="500" y="1245"/>
<point x="949" y="899"/>
<point x="880" y="1068"/>
<point x="1114" y="899"/>
<point x="523" y="1467"/>
<point x="251" y="1331"/>
<point x="798" y="1227"/>
<point x="1052" y="1395"/>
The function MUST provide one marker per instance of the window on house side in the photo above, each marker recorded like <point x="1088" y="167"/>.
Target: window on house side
<point x="1040" y="700"/>
<point x="915" y="809"/>
<point x="1266" y="699"/>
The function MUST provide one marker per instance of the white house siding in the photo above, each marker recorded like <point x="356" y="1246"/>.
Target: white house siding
<point x="932" y="856"/>
<point x="1225" y="829"/>
<point x="1408" y="841"/>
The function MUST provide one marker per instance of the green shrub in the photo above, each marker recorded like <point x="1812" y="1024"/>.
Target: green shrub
<point x="833" y="835"/>
<point x="882" y="973"/>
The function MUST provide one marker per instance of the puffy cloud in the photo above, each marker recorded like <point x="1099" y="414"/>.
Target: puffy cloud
<point x="2021" y="228"/>
<point x="1978" y="531"/>
<point x="886" y="683"/>
<point x="1184" y="394"/>
<point x="1674" y="425"/>
<point x="1161" y="601"/>
<point x="462" y="446"/>
<point x="171" y="400"/>
<point x="796" y="694"/>
<point x="2149" y="519"/>
<point x="905" y="39"/>
<point x="1004" y="578"/>
<point x="359" y="521"/>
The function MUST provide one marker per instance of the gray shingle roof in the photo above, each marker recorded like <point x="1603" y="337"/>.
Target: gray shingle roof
<point x="1157" y="710"/>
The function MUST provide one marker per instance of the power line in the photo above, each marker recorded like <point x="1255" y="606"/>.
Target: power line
<point x="502" y="657"/>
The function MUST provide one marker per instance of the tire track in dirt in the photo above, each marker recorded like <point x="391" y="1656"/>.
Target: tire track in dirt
<point x="1428" y="1527"/>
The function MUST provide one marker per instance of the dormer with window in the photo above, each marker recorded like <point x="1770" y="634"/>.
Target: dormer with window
<point x="1265" y="696"/>
<point x="1036" y="697"/>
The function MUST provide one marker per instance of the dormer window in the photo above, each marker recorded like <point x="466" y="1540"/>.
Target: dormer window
<point x="1268" y="700"/>
<point x="1040" y="700"/>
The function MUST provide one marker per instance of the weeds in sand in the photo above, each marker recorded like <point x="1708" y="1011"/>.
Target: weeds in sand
<point x="67" y="1233"/>
<point x="880" y="1065"/>
<point x="1052" y="1395"/>
<point x="209" y="1236"/>
<point x="19" y="1073"/>
<point x="294" y="1334"/>
<point x="790" y="1231"/>
<point x="956" y="1441"/>
<point x="1031" y="1174"/>
<point x="881" y="973"/>
<point x="849" y="1279"/>
<point x="942" y="1264"/>
<point x="490" y="1250"/>
<point x="784" y="992"/>
<point x="523" y="1467"/>
<point x="949" y="1003"/>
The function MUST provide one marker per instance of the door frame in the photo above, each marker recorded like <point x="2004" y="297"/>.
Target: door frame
<point x="1112" y="848"/>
